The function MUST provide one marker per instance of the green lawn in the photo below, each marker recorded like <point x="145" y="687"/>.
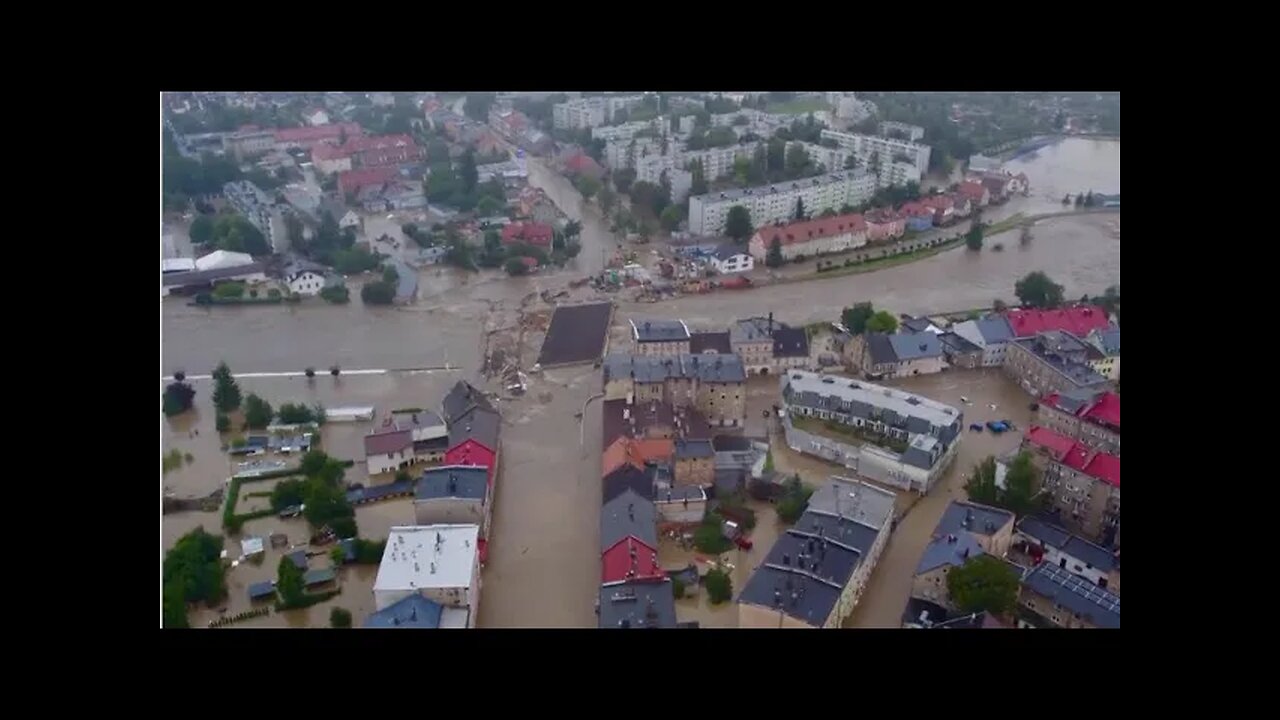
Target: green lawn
<point x="798" y="107"/>
<point x="1007" y="224"/>
<point x="873" y="265"/>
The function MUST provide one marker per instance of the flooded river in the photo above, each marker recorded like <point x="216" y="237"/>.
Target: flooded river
<point x="544" y="565"/>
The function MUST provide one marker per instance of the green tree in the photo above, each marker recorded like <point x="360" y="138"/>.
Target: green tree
<point x="221" y="422"/>
<point x="201" y="231"/>
<point x="698" y="183"/>
<point x="607" y="198"/>
<point x="1021" y="482"/>
<point x="794" y="500"/>
<point x="467" y="171"/>
<point x="981" y="483"/>
<point x="378" y="292"/>
<point x="178" y="398"/>
<point x="799" y="213"/>
<point x="1079" y="199"/>
<point x="850" y="161"/>
<point x="1088" y="199"/>
<point x="983" y="583"/>
<point x="288" y="493"/>
<point x="973" y="238"/>
<point x="296" y="414"/>
<point x="192" y="572"/>
<point x="622" y="180"/>
<point x="515" y="267"/>
<point x="719" y="586"/>
<point x="873" y="165"/>
<point x="336" y="294"/>
<point x="572" y="229"/>
<point x="226" y="393"/>
<point x="774" y="258"/>
<point x="289" y="582"/>
<point x="737" y="224"/>
<point x="1037" y="290"/>
<point x="257" y="412"/>
<point x="671" y="218"/>
<point x="797" y="162"/>
<point x="587" y="185"/>
<point x="340" y="618"/>
<point x="855" y="318"/>
<point x="882" y="321"/>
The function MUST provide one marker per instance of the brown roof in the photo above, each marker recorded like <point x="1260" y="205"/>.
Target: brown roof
<point x="618" y="417"/>
<point x="806" y="230"/>
<point x="387" y="442"/>
<point x="629" y="451"/>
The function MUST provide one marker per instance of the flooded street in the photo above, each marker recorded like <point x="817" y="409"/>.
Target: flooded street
<point x="543" y="567"/>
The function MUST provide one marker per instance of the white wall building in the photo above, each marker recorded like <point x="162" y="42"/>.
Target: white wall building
<point x="591" y="112"/>
<point x="773" y="203"/>
<point x="619" y="154"/>
<point x="833" y="158"/>
<point x="914" y="155"/>
<point x="628" y="130"/>
<point x="992" y="334"/>
<point x="729" y="260"/>
<point x="306" y="283"/>
<point x="439" y="562"/>
<point x="913" y="132"/>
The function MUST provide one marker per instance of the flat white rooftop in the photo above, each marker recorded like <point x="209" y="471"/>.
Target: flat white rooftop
<point x="428" y="556"/>
<point x="904" y="403"/>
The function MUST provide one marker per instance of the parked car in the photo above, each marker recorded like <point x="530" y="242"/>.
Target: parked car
<point x="996" y="426"/>
<point x="976" y="427"/>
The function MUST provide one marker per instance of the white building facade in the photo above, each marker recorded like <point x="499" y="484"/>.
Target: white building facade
<point x="773" y="203"/>
<point x="912" y="165"/>
<point x="306" y="283"/>
<point x="439" y="562"/>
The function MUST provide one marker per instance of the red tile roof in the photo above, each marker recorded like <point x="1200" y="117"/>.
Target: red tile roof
<point x="532" y="233"/>
<point x="972" y="190"/>
<point x="882" y="216"/>
<point x="327" y="151"/>
<point x="806" y="230"/>
<point x="915" y="209"/>
<point x="580" y="162"/>
<point x="1078" y="320"/>
<point x="634" y="452"/>
<point x="630" y="559"/>
<point x="317" y="133"/>
<point x="1104" y="410"/>
<point x="353" y="180"/>
<point x="1095" y="464"/>
<point x="388" y="442"/>
<point x="938" y="202"/>
<point x="377" y="142"/>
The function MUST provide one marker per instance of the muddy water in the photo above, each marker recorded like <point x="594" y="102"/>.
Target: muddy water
<point x="1073" y="165"/>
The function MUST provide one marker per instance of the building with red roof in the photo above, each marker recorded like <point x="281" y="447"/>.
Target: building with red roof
<point x="1078" y="320"/>
<point x="538" y="235"/>
<point x="579" y="163"/>
<point x="885" y="224"/>
<point x="352" y="180"/>
<point x="1083" y="482"/>
<point x="943" y="208"/>
<point x="384" y="150"/>
<point x="630" y="559"/>
<point x="1091" y="417"/>
<point x="811" y="237"/>
<point x="309" y="137"/>
<point x="919" y="216"/>
<point x="975" y="192"/>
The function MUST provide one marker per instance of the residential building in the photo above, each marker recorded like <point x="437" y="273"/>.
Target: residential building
<point x="943" y="207"/>
<point x="790" y="347"/>
<point x="636" y="605"/>
<point x="415" y="612"/>
<point x="458" y="495"/>
<point x="1054" y="597"/>
<point x="659" y="337"/>
<point x="713" y="384"/>
<point x="963" y="207"/>
<point x="707" y="343"/>
<point x="423" y="424"/>
<point x="627" y="131"/>
<point x="774" y="203"/>
<point x="473" y="440"/>
<point x="906" y="440"/>
<point x="260" y="211"/>
<point x="388" y="451"/>
<point x="439" y="562"/>
<point x="1052" y="361"/>
<point x="1083" y="483"/>
<point x="305" y="282"/>
<point x="959" y="352"/>
<point x="908" y="132"/>
<point x="309" y="137"/>
<point x="630" y="559"/>
<point x="1079" y="320"/>
<point x="815" y="573"/>
<point x="328" y="159"/>
<point x="683" y="505"/>
<point x="461" y="399"/>
<point x="222" y="260"/>
<point x="694" y="463"/>
<point x="628" y="477"/>
<point x="1090" y="416"/>
<point x="249" y="141"/>
<point x="651" y="419"/>
<point x="350" y="183"/>
<point x="509" y="173"/>
<point x="811" y="237"/>
<point x="635" y="452"/>
<point x="975" y="193"/>
<point x="395" y="195"/>
<point x="1107" y="341"/>
<point x="925" y="615"/>
<point x="752" y="340"/>
<point x="316" y="117"/>
<point x="628" y="514"/>
<point x="992" y="334"/>
<point x="919" y="217"/>
<point x="538" y="235"/>
<point x="1049" y="544"/>
<point x="590" y="112"/>
<point x="885" y="355"/>
<point x="982" y="163"/>
<point x="965" y="531"/>
<point x="892" y="152"/>
<point x="883" y="224"/>
<point x="716" y="162"/>
<point x="367" y="152"/>
<point x="188" y="283"/>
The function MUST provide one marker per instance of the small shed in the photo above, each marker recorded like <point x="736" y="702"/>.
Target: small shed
<point x="251" y="546"/>
<point x="299" y="558"/>
<point x="319" y="576"/>
<point x="262" y="590"/>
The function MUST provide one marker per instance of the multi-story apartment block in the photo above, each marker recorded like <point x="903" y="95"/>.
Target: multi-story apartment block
<point x="1083" y="483"/>
<point x="767" y="346"/>
<point x="659" y="337"/>
<point x="1047" y="543"/>
<point x="713" y="384"/>
<point x="1054" y="597"/>
<point x="1107" y="342"/>
<point x="911" y="132"/>
<point x="629" y="153"/>
<point x="833" y="159"/>
<point x="716" y="162"/>
<point x="591" y="112"/>
<point x="837" y="233"/>
<point x="992" y="334"/>
<point x="243" y="143"/>
<point x="965" y="531"/>
<point x="1090" y="416"/>
<point x="900" y="161"/>
<point x="773" y="203"/>
<point x="627" y="131"/>
<point x="249" y="200"/>
<point x="1052" y="361"/>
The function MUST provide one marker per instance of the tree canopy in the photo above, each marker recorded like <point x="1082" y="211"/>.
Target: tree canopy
<point x="737" y="223"/>
<point x="192" y="572"/>
<point x="774" y="258"/>
<point x="226" y="392"/>
<point x="882" y="321"/>
<point x="378" y="292"/>
<point x="855" y="318"/>
<point x="983" y="583"/>
<point x="719" y="586"/>
<point x="1037" y="290"/>
<point x="289" y="582"/>
<point x="1021" y="482"/>
<point x="178" y="398"/>
<point x="257" y="412"/>
<point x="973" y="238"/>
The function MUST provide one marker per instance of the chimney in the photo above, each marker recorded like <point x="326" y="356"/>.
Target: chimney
<point x="770" y="322"/>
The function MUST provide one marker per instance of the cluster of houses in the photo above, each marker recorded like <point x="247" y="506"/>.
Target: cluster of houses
<point x="1064" y="580"/>
<point x="429" y="575"/>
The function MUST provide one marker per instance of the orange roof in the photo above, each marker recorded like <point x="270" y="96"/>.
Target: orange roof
<point x="629" y="451"/>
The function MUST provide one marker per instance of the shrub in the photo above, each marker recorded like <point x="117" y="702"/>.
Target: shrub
<point x="253" y="293"/>
<point x="336" y="294"/>
<point x="222" y="423"/>
<point x="677" y="588"/>
<point x="340" y="618"/>
<point x="274" y="293"/>
<point x="709" y="538"/>
<point x="719" y="586"/>
<point x="229" y="290"/>
<point x="379" y="292"/>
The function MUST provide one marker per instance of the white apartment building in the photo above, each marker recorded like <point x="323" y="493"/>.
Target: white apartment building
<point x="576" y="114"/>
<point x="717" y="162"/>
<point x="913" y="132"/>
<point x="772" y="203"/>
<point x="832" y="158"/>
<point x="439" y="562"/>
<point x="619" y="154"/>
<point x="913" y="168"/>
<point x="628" y="130"/>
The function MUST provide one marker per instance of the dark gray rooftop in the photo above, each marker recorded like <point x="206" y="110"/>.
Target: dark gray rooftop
<point x="628" y="477"/>
<point x="1048" y="348"/>
<point x="628" y="513"/>
<point x="1109" y="339"/>
<point x="694" y="449"/>
<point x="731" y="443"/>
<point x="299" y="558"/>
<point x="790" y="342"/>
<point x="994" y="329"/>
<point x="807" y="568"/>
<point x="414" y="611"/>
<point x="479" y="424"/>
<point x="467" y="481"/>
<point x="957" y="344"/>
<point x="422" y="418"/>
<point x="961" y="521"/>
<point x="461" y="399"/>
<point x="1073" y="545"/>
<point x="1078" y="595"/>
<point x="915" y="325"/>
<point x="318" y="576"/>
<point x="751" y="330"/>
<point x="200" y="277"/>
<point x="914" y="346"/>
<point x="702" y="342"/>
<point x="659" y="330"/>
<point x="635" y="605"/>
<point x="577" y="334"/>
<point x="260" y="590"/>
<point x="658" y="368"/>
<point x="880" y="349"/>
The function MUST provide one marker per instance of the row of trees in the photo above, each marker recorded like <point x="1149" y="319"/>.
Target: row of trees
<point x="863" y="317"/>
<point x="192" y="572"/>
<point x="258" y="413"/>
<point x="229" y="231"/>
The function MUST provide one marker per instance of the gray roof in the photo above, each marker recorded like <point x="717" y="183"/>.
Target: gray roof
<point x="419" y="419"/>
<point x="701" y="342"/>
<point x="260" y="590"/>
<point x="414" y="611"/>
<point x="808" y="567"/>
<point x="731" y="443"/>
<point x="694" y="449"/>
<point x="1109" y="339"/>
<point x="854" y="500"/>
<point x="657" y="368"/>
<point x="481" y="425"/>
<point x="318" y="576"/>
<point x="659" y="330"/>
<point x="955" y="343"/>
<point x="456" y="481"/>
<point x="636" y="605"/>
<point x="962" y="521"/>
<point x="1048" y="348"/>
<point x="994" y="329"/>
<point x="628" y="477"/>
<point x="1073" y="545"/>
<point x="913" y="346"/>
<point x="880" y="349"/>
<point x="199" y="277"/>
<point x="790" y="342"/>
<point x="1074" y="399"/>
<point x="914" y="325"/>
<point x="628" y="513"/>
<point x="750" y="330"/>
<point x="299" y="558"/>
<point x="917" y="414"/>
<point x="461" y="399"/>
<point x="1078" y="595"/>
